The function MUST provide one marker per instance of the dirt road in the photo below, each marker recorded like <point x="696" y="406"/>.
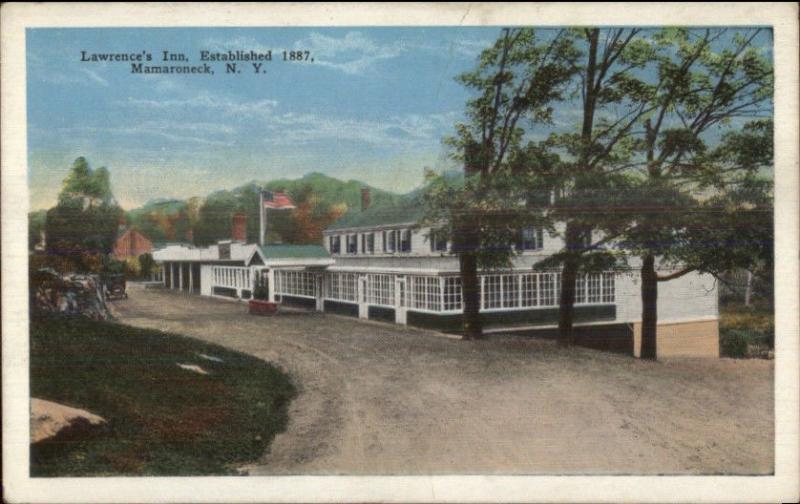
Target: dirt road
<point x="383" y="399"/>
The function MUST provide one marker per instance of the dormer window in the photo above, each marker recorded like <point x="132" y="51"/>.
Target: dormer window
<point x="368" y="243"/>
<point x="405" y="240"/>
<point x="438" y="241"/>
<point x="352" y="244"/>
<point x="389" y="241"/>
<point x="335" y="244"/>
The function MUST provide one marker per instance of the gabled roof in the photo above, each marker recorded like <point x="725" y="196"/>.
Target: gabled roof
<point x="409" y="210"/>
<point x="292" y="255"/>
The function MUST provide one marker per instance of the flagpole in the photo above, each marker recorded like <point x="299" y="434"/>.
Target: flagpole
<point x="262" y="218"/>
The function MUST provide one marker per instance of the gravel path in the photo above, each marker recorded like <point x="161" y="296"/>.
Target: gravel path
<point x="384" y="399"/>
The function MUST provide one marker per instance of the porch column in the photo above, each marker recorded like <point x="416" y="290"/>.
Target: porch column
<point x="163" y="277"/>
<point x="180" y="276"/>
<point x="172" y="275"/>
<point x="319" y="289"/>
<point x="271" y="283"/>
<point x="191" y="278"/>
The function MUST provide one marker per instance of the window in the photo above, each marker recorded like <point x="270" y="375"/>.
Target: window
<point x="405" y="240"/>
<point x="294" y="283"/>
<point x="510" y="288"/>
<point x="580" y="289"/>
<point x="380" y="289"/>
<point x="424" y="293"/>
<point x="530" y="289"/>
<point x="389" y="241"/>
<point x="438" y="242"/>
<point x="492" y="296"/>
<point x="352" y="244"/>
<point x="530" y="239"/>
<point x="452" y="293"/>
<point x="368" y="243"/>
<point x="593" y="294"/>
<point x="335" y="244"/>
<point x="340" y="286"/>
<point x="608" y="287"/>
<point x="547" y="283"/>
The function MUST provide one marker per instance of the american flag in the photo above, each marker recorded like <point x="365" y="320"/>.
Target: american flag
<point x="277" y="200"/>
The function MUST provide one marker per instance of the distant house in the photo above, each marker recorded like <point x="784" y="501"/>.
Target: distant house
<point x="131" y="243"/>
<point x="380" y="264"/>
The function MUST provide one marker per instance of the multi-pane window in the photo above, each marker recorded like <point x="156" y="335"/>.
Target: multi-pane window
<point x="294" y="283"/>
<point x="580" y="289"/>
<point x="340" y="286"/>
<point x="231" y="276"/>
<point x="424" y="293"/>
<point x="608" y="287"/>
<point x="530" y="290"/>
<point x="352" y="244"/>
<point x="492" y="296"/>
<point x="510" y="291"/>
<point x="452" y="293"/>
<point x="593" y="291"/>
<point x="335" y="244"/>
<point x="530" y="238"/>
<point x="547" y="285"/>
<point x="380" y="289"/>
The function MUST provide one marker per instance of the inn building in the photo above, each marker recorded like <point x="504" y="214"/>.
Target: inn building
<point x="379" y="264"/>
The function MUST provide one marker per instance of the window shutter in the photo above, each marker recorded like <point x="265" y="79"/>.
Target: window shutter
<point x="539" y="238"/>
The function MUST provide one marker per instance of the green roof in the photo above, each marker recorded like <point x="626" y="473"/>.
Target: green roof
<point x="409" y="210"/>
<point x="294" y="252"/>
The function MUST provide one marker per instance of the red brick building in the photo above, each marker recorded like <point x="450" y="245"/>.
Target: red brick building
<point x="131" y="243"/>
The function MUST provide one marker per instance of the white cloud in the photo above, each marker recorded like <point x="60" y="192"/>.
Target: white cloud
<point x="352" y="54"/>
<point x="241" y="43"/>
<point x="95" y="77"/>
<point x="206" y="100"/>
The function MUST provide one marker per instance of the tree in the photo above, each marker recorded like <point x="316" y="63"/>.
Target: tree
<point x="84" y="222"/>
<point x="701" y="208"/>
<point x="614" y="96"/>
<point x="517" y="80"/>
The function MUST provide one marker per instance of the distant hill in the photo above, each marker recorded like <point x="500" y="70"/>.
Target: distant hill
<point x="324" y="199"/>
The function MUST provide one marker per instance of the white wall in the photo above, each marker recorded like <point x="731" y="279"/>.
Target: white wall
<point x="690" y="297"/>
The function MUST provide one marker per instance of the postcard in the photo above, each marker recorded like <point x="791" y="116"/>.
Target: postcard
<point x="408" y="253"/>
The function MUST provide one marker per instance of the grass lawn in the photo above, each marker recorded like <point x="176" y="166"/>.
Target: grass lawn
<point x="161" y="419"/>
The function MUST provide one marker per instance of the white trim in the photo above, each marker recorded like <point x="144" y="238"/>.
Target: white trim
<point x="683" y="320"/>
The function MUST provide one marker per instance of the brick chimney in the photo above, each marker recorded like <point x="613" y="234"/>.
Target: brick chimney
<point x="365" y="198"/>
<point x="239" y="233"/>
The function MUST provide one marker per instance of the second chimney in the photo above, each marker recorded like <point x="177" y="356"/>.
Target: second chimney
<point x="365" y="198"/>
<point x="239" y="233"/>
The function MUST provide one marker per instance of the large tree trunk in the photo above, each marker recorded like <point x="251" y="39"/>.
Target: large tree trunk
<point x="566" y="306"/>
<point x="566" y="302"/>
<point x="649" y="307"/>
<point x="471" y="288"/>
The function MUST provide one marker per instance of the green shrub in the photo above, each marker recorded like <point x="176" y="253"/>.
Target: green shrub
<point x="734" y="343"/>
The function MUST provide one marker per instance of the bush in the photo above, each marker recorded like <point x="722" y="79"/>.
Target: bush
<point x="735" y="343"/>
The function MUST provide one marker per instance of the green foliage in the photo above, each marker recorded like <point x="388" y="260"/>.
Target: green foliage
<point x="36" y="224"/>
<point x="84" y="223"/>
<point x="146" y="265"/>
<point x="161" y="419"/>
<point x="734" y="343"/>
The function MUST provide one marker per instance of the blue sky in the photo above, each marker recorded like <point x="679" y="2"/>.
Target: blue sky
<point x="373" y="106"/>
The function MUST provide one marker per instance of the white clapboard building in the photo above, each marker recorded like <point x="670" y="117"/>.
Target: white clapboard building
<point x="378" y="264"/>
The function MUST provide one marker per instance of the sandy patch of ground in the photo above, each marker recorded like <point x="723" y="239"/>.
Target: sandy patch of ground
<point x="49" y="418"/>
<point x="384" y="399"/>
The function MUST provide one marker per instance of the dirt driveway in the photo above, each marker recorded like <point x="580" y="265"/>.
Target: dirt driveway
<point x="379" y="399"/>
